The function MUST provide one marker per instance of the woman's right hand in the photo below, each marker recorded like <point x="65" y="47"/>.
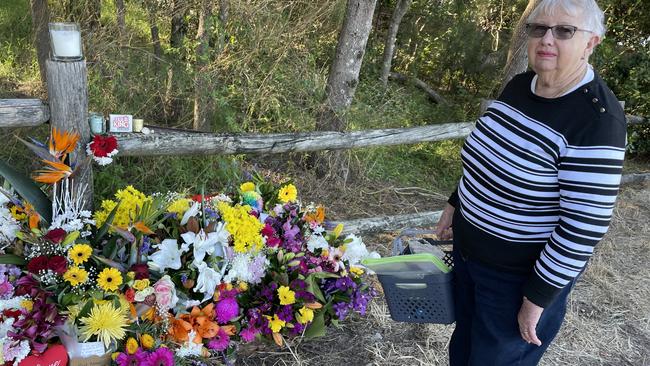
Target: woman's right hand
<point x="443" y="229"/>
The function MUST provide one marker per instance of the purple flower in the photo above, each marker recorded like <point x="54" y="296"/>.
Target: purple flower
<point x="136" y="359"/>
<point x="297" y="329"/>
<point x="298" y="284"/>
<point x="342" y="309"/>
<point x="163" y="356"/>
<point x="248" y="334"/>
<point x="286" y="313"/>
<point x="37" y="326"/>
<point x="257" y="268"/>
<point x="227" y="308"/>
<point x="220" y="342"/>
<point x="306" y="296"/>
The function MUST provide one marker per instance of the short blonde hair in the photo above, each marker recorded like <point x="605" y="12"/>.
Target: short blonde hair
<point x="587" y="9"/>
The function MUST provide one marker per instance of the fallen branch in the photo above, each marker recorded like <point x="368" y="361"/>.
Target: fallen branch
<point x="635" y="178"/>
<point x="420" y="84"/>
<point x="390" y="223"/>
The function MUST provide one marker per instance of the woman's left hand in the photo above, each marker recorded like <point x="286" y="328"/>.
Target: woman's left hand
<point x="528" y="318"/>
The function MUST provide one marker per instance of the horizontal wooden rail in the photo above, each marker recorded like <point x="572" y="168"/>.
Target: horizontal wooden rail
<point x="389" y="223"/>
<point x="23" y="112"/>
<point x="183" y="142"/>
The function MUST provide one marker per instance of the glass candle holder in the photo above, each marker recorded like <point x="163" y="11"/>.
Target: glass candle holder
<point x="138" y="124"/>
<point x="65" y="40"/>
<point x="97" y="125"/>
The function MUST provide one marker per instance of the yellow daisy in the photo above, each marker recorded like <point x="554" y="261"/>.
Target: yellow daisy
<point x="105" y="322"/>
<point x="288" y="193"/>
<point x="109" y="279"/>
<point x="275" y="324"/>
<point x="75" y="276"/>
<point x="80" y="253"/>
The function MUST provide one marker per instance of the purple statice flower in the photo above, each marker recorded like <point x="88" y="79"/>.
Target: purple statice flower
<point x="163" y="356"/>
<point x="341" y="309"/>
<point x="227" y="309"/>
<point x="136" y="359"/>
<point x="211" y="214"/>
<point x="306" y="296"/>
<point x="146" y="245"/>
<point x="220" y="342"/>
<point x="248" y="334"/>
<point x="286" y="313"/>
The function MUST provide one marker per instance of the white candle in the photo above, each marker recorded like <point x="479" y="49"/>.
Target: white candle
<point x="66" y="43"/>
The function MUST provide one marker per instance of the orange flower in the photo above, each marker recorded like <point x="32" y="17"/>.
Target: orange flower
<point x="33" y="217"/>
<point x="62" y="143"/>
<point x="52" y="173"/>
<point x="318" y="216"/>
<point x="179" y="330"/>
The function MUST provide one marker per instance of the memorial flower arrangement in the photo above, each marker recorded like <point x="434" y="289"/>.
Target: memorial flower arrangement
<point x="163" y="278"/>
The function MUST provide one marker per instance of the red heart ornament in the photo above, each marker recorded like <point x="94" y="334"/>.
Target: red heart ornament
<point x="54" y="356"/>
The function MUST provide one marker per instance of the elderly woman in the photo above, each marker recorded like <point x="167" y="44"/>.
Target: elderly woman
<point x="541" y="173"/>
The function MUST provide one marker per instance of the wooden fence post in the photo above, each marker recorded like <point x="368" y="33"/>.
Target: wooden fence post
<point x="67" y="89"/>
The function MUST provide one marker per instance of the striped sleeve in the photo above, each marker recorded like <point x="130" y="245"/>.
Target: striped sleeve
<point x="588" y="178"/>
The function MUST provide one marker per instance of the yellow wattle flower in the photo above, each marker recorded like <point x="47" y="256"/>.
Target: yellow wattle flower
<point x="75" y="276"/>
<point x="130" y="201"/>
<point x="288" y="193"/>
<point x="80" y="253"/>
<point x="109" y="279"/>
<point x="105" y="322"/>
<point x="287" y="297"/>
<point x="305" y="315"/>
<point x="244" y="227"/>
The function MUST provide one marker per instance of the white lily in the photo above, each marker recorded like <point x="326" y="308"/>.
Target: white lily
<point x="211" y="243"/>
<point x="167" y="256"/>
<point x="193" y="211"/>
<point x="356" y="250"/>
<point x="207" y="281"/>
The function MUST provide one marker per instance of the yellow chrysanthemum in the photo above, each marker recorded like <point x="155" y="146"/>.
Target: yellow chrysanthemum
<point x="141" y="284"/>
<point x="242" y="286"/>
<point x="147" y="341"/>
<point x="109" y="279"/>
<point x="305" y="315"/>
<point x="275" y="324"/>
<point x="179" y="207"/>
<point x="244" y="227"/>
<point x="288" y="193"/>
<point x="27" y="305"/>
<point x="130" y="199"/>
<point x="80" y="253"/>
<point x="105" y="322"/>
<point x="248" y="186"/>
<point x="131" y="346"/>
<point x="287" y="297"/>
<point x="75" y="276"/>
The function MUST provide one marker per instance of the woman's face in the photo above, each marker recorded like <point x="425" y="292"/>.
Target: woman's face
<point x="561" y="57"/>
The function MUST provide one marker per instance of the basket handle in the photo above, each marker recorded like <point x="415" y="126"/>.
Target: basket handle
<point x="398" y="247"/>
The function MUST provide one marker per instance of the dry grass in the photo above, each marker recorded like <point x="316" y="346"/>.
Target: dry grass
<point x="607" y="323"/>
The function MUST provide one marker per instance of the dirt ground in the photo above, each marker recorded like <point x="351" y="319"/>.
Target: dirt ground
<point x="608" y="317"/>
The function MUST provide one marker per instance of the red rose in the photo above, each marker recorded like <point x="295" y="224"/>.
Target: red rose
<point x="56" y="236"/>
<point x="37" y="264"/>
<point x="130" y="295"/>
<point x="58" y="264"/>
<point x="141" y="271"/>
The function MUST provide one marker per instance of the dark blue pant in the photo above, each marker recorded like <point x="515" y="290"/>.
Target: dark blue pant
<point x="487" y="304"/>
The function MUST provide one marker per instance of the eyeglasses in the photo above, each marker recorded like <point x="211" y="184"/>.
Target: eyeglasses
<point x="536" y="30"/>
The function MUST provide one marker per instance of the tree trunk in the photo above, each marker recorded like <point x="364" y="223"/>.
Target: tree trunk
<point x="121" y="23"/>
<point x="155" y="37"/>
<point x="40" y="19"/>
<point x="179" y="26"/>
<point x="518" y="52"/>
<point x="202" y="105"/>
<point x="389" y="48"/>
<point x="344" y="73"/>
<point x="67" y="89"/>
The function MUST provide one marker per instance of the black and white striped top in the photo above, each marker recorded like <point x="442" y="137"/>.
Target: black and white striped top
<point x="540" y="178"/>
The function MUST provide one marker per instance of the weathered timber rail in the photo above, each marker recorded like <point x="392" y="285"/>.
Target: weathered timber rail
<point x="23" y="112"/>
<point x="176" y="142"/>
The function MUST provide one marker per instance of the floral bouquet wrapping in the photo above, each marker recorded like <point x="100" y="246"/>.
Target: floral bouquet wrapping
<point x="165" y="278"/>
